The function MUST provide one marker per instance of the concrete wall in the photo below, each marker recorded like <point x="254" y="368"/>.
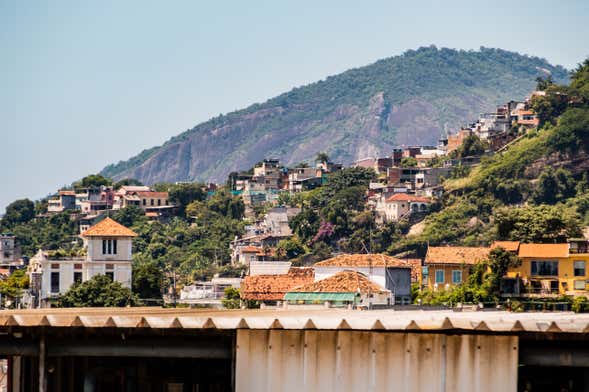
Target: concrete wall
<point x="124" y="246"/>
<point x="307" y="360"/>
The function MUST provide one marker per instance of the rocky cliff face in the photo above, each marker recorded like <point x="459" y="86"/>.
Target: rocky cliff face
<point x="410" y="99"/>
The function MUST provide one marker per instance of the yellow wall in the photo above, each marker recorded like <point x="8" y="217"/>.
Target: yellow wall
<point x="447" y="268"/>
<point x="565" y="272"/>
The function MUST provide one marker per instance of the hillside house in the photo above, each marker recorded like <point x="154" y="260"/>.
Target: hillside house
<point x="400" y="205"/>
<point x="108" y="252"/>
<point x="9" y="251"/>
<point x="66" y="200"/>
<point x="447" y="266"/>
<point x="550" y="270"/>
<point x="379" y="165"/>
<point x="345" y="288"/>
<point x="389" y="272"/>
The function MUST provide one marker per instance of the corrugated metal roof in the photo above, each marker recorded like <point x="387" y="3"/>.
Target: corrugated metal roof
<point x="328" y="319"/>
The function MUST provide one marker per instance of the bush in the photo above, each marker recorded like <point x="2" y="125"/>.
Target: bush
<point x="580" y="305"/>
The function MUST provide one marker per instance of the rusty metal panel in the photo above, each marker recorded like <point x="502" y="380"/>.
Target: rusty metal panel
<point x="343" y="360"/>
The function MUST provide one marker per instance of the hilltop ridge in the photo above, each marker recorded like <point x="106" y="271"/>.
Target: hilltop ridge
<point x="413" y="98"/>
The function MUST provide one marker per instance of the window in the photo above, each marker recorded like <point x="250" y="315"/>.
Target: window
<point x="77" y="277"/>
<point x="111" y="275"/>
<point x="440" y="276"/>
<point x="159" y="202"/>
<point x="580" y="284"/>
<point x="55" y="282"/>
<point x="456" y="276"/>
<point x="544" y="268"/>
<point x="55" y="266"/>
<point x="77" y="266"/>
<point x="151" y="201"/>
<point x="579" y="268"/>
<point x="144" y="202"/>
<point x="109" y="247"/>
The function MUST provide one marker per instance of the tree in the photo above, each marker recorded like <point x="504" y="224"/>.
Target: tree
<point x="148" y="279"/>
<point x="93" y="180"/>
<point x="130" y="216"/>
<point x="554" y="186"/>
<point x="14" y="284"/>
<point x="541" y="223"/>
<point x="19" y="211"/>
<point x="231" y="300"/>
<point x="500" y="260"/>
<point x="471" y="146"/>
<point x="572" y="132"/>
<point x="322" y="157"/>
<point x="290" y="248"/>
<point x="408" y="162"/>
<point x="100" y="291"/>
<point x="543" y="83"/>
<point x="181" y="195"/>
<point x="127" y="182"/>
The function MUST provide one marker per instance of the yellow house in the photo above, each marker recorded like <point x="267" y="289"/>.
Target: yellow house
<point x="448" y="266"/>
<point x="553" y="269"/>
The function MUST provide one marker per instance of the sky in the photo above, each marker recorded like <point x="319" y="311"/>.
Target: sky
<point x="84" y="84"/>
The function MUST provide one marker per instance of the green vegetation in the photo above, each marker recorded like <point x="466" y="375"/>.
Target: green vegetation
<point x="534" y="191"/>
<point x="483" y="284"/>
<point x="100" y="291"/>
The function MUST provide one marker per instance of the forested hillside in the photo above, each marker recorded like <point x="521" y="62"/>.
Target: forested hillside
<point x="537" y="190"/>
<point x="407" y="99"/>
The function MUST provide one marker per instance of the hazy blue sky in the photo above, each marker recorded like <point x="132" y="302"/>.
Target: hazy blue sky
<point x="84" y="84"/>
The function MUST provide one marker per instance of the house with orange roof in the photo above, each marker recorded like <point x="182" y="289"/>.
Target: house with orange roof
<point x="270" y="289"/>
<point x="108" y="246"/>
<point x="342" y="289"/>
<point x="447" y="266"/>
<point x="399" y="205"/>
<point x="551" y="269"/>
<point x="386" y="271"/>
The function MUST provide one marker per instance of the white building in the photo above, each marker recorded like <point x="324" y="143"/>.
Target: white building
<point x="108" y="252"/>
<point x="9" y="254"/>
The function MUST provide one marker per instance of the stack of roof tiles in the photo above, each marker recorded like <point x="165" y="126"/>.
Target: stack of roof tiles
<point x="342" y="282"/>
<point x="273" y="287"/>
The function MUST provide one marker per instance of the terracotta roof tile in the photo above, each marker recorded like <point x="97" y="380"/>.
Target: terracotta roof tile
<point x="251" y="249"/>
<point x="544" y="250"/>
<point x="362" y="260"/>
<point x="342" y="282"/>
<point x="511" y="246"/>
<point x="274" y="287"/>
<point x="408" y="198"/>
<point x="109" y="228"/>
<point x="456" y="255"/>
<point x="157" y="195"/>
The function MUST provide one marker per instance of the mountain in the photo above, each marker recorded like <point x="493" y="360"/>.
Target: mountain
<point x="408" y="99"/>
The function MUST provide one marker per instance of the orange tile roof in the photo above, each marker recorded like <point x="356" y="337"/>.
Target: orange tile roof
<point x="157" y="195"/>
<point x="362" y="260"/>
<point x="408" y="198"/>
<point x="342" y="282"/>
<point x="456" y="255"/>
<point x="251" y="249"/>
<point x="544" y="250"/>
<point x="67" y="193"/>
<point x="274" y="287"/>
<point x="109" y="228"/>
<point x="511" y="246"/>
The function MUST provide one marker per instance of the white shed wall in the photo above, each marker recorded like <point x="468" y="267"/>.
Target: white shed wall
<point x="307" y="360"/>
